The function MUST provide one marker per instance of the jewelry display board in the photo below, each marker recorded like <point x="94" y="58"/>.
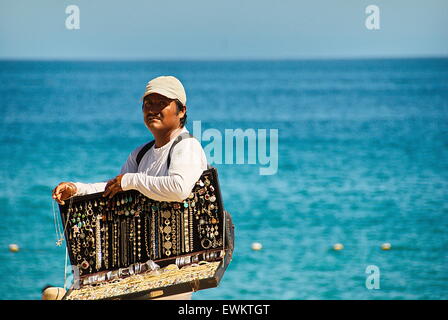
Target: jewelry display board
<point x="131" y="246"/>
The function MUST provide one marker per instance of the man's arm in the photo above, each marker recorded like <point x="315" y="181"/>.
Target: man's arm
<point x="88" y="188"/>
<point x="188" y="161"/>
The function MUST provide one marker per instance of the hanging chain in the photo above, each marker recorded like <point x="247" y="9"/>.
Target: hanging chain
<point x="58" y="223"/>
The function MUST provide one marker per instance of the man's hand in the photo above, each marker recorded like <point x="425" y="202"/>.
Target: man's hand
<point x="113" y="186"/>
<point x="64" y="191"/>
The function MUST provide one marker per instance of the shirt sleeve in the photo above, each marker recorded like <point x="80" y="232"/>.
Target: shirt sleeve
<point x="129" y="166"/>
<point x="188" y="161"/>
<point x="87" y="188"/>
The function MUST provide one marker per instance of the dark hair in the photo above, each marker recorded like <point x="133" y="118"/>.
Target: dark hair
<point x="180" y="106"/>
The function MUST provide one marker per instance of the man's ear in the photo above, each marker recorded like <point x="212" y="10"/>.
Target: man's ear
<point x="182" y="112"/>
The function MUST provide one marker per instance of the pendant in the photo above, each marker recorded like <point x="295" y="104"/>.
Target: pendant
<point x="166" y="214"/>
<point x="84" y="264"/>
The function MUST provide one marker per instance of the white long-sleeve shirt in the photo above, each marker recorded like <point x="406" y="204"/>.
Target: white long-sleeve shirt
<point x="152" y="177"/>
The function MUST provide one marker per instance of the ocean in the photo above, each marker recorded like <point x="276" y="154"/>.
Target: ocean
<point x="362" y="161"/>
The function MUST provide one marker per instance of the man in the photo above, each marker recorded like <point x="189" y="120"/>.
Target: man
<point x="164" y="114"/>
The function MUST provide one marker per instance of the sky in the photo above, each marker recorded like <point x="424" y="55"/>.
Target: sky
<point x="207" y="29"/>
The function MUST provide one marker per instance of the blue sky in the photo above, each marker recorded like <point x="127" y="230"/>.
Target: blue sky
<point x="206" y="29"/>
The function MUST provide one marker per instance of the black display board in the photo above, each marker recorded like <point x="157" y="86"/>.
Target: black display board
<point x="129" y="234"/>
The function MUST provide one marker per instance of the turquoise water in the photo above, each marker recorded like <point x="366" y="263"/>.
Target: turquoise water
<point x="363" y="160"/>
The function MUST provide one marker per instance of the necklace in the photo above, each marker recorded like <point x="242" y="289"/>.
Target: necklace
<point x="139" y="238"/>
<point x="190" y="218"/>
<point x="186" y="229"/>
<point x="106" y="246"/>
<point x="173" y="231"/>
<point x="153" y="234"/>
<point x="146" y="235"/>
<point x="57" y="223"/>
<point x="99" y="255"/>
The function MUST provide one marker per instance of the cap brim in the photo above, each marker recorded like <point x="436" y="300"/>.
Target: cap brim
<point x="160" y="91"/>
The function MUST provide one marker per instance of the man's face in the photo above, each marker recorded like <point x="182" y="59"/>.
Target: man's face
<point x="160" y="112"/>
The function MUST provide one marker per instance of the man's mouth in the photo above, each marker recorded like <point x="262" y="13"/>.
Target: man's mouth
<point x="152" y="118"/>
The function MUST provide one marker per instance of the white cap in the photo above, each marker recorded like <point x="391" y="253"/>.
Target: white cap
<point x="167" y="86"/>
